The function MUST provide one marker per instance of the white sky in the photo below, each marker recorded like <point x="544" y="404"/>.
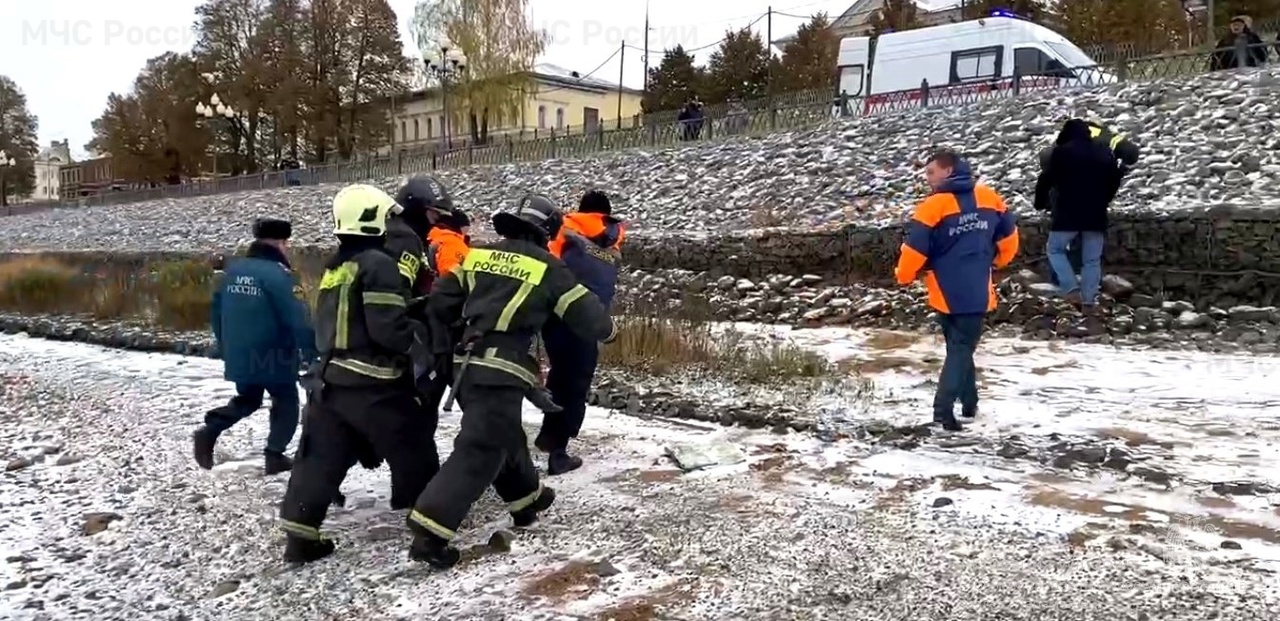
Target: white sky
<point x="68" y="55"/>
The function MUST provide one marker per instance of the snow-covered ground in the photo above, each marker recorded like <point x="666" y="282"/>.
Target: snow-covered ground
<point x="98" y="442"/>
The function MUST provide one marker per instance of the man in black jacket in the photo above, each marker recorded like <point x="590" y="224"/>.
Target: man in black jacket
<point x="1082" y="175"/>
<point x="1241" y="48"/>
<point x="504" y="293"/>
<point x="1126" y="154"/>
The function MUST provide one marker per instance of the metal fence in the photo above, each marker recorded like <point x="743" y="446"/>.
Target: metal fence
<point x="781" y="113"/>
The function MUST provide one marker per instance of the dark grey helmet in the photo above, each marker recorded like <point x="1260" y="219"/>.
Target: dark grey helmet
<point x="534" y="213"/>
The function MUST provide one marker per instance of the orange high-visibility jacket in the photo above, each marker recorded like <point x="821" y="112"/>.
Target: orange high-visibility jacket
<point x="447" y="249"/>
<point x="955" y="237"/>
<point x="589" y="225"/>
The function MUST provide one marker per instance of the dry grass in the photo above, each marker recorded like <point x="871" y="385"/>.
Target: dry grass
<point x="655" y="345"/>
<point x="176" y="295"/>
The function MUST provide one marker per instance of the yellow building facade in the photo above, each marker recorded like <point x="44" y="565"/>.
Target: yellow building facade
<point x="558" y="100"/>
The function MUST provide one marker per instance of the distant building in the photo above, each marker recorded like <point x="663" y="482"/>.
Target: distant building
<point x="47" y="165"/>
<point x="88" y="178"/>
<point x="557" y="99"/>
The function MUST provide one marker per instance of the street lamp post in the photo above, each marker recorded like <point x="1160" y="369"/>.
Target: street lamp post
<point x="6" y="161"/>
<point x="215" y="109"/>
<point x="449" y="63"/>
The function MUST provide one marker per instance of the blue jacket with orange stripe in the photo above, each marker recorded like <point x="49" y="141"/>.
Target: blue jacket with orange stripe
<point x="955" y="237"/>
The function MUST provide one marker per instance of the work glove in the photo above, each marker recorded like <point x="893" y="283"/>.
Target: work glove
<point x="417" y="307"/>
<point x="541" y="399"/>
<point x="613" y="334"/>
<point x="310" y="380"/>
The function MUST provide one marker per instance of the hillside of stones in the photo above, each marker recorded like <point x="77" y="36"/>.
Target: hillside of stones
<point x="1207" y="140"/>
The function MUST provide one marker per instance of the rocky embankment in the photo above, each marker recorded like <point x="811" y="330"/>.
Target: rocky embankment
<point x="1200" y="136"/>
<point x="1214" y="257"/>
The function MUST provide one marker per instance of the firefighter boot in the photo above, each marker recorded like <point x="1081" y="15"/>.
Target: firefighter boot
<point x="560" y="462"/>
<point x="528" y="515"/>
<point x="275" y="463"/>
<point x="434" y="551"/>
<point x="303" y="550"/>
<point x="202" y="442"/>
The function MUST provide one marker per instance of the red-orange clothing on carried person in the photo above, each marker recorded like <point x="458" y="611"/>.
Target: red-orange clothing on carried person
<point x="447" y="249"/>
<point x="589" y="225"/>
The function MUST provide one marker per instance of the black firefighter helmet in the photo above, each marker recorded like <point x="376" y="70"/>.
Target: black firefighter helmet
<point x="421" y="197"/>
<point x="534" y="214"/>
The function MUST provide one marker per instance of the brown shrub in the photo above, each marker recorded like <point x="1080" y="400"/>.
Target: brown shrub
<point x="655" y="345"/>
<point x="177" y="295"/>
<point x="40" y="285"/>
<point x="182" y="292"/>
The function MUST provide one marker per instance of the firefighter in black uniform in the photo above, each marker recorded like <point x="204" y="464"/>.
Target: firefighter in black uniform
<point x="422" y="200"/>
<point x="366" y="398"/>
<point x="425" y="201"/>
<point x="504" y="293"/>
<point x="406" y="234"/>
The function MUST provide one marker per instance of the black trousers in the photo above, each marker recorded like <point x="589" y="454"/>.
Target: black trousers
<point x="491" y="449"/>
<point x="573" y="363"/>
<point x="338" y="427"/>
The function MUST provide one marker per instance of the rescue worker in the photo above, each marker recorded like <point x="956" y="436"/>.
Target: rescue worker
<point x="589" y="244"/>
<point x="264" y="337"/>
<point x="504" y="293"/>
<point x="448" y="248"/>
<point x="368" y="346"/>
<point x="425" y="200"/>
<point x="421" y="199"/>
<point x="406" y="230"/>
<point x="448" y="242"/>
<point x="954" y="239"/>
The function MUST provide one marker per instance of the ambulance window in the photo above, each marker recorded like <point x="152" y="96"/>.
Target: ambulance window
<point x="976" y="64"/>
<point x="851" y="79"/>
<point x="1031" y="61"/>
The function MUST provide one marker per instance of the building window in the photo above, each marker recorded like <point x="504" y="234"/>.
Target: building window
<point x="559" y="118"/>
<point x="431" y="130"/>
<point x="403" y="134"/>
<point x="417" y="135"/>
<point x="542" y="117"/>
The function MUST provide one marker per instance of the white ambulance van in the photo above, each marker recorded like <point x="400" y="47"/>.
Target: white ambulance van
<point x="961" y="62"/>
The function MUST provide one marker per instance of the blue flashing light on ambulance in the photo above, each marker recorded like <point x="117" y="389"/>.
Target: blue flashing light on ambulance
<point x="960" y="61"/>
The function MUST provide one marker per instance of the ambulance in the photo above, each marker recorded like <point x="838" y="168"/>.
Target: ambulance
<point x="961" y="62"/>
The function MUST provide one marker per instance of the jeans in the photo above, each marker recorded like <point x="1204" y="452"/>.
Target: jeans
<point x="284" y="412"/>
<point x="959" y="378"/>
<point x="1090" y="280"/>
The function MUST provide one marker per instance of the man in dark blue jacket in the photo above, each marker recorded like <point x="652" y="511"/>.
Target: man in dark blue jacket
<point x="589" y="244"/>
<point x="264" y="335"/>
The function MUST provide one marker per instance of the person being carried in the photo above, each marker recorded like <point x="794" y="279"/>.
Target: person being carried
<point x="264" y="337"/>
<point x="954" y="238"/>
<point x="590" y="245"/>
<point x="367" y="398"/>
<point x="503" y="293"/>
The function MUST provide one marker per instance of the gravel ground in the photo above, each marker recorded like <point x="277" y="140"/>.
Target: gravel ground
<point x="91" y="430"/>
<point x="1207" y="140"/>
